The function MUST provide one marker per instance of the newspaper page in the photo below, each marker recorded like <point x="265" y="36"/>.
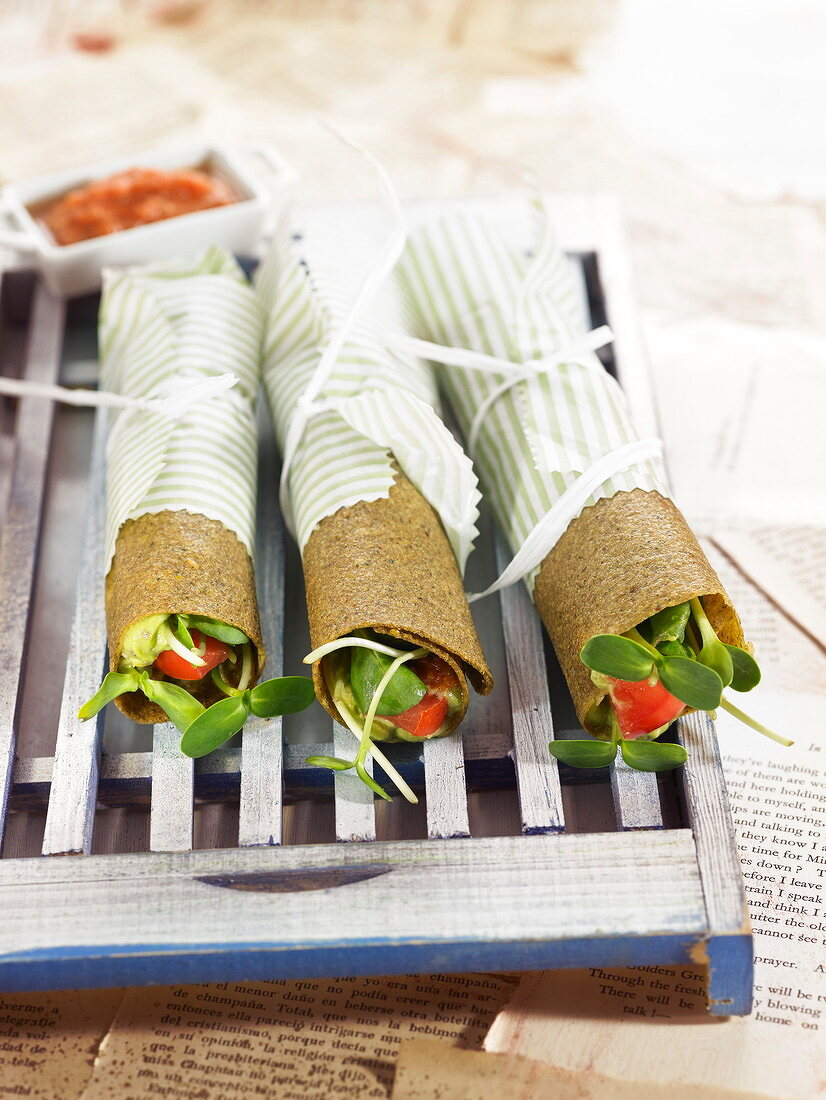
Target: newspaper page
<point x="297" y="1040"/>
<point x="742" y="407"/>
<point x="48" y="1041"/>
<point x="618" y="1021"/>
<point x="789" y="565"/>
<point x="429" y="1070"/>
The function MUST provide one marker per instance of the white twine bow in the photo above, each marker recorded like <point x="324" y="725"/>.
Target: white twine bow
<point x="553" y="525"/>
<point x="307" y="405"/>
<point x="573" y="352"/>
<point x="189" y="395"/>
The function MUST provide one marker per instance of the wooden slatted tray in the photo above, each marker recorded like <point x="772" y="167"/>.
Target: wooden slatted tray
<point x="653" y="880"/>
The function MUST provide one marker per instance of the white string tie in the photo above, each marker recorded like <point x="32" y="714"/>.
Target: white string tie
<point x="553" y="525"/>
<point x="573" y="352"/>
<point x="384" y="263"/>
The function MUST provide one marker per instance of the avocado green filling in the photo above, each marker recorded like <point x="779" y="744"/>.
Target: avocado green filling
<point x="146" y="639"/>
<point x="144" y="642"/>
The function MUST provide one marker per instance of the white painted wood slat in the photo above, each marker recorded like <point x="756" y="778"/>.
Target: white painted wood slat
<point x="727" y="950"/>
<point x="709" y="814"/>
<point x="636" y="797"/>
<point x="537" y="772"/>
<point x="444" y="780"/>
<point x="173" y="789"/>
<point x="21" y="526"/>
<point x="70" y="816"/>
<point x="262" y="766"/>
<point x="546" y="887"/>
<point x="355" y="809"/>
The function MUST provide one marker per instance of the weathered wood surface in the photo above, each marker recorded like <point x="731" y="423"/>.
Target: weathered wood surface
<point x="636" y="797"/>
<point x="537" y="772"/>
<point x="22" y="520"/>
<point x="262" y="764"/>
<point x="71" y="813"/>
<point x="355" y="812"/>
<point x="125" y="778"/>
<point x="173" y="792"/>
<point x="729" y="949"/>
<point x="445" y="790"/>
<point x="605" y="888"/>
<point x="709" y="813"/>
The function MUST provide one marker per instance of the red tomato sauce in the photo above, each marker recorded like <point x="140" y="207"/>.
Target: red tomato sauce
<point x="135" y="197"/>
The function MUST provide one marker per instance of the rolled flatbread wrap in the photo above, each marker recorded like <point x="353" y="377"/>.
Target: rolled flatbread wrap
<point x="629" y="552"/>
<point x="387" y="566"/>
<point x="183" y="339"/>
<point x="169" y="563"/>
<point x="380" y="497"/>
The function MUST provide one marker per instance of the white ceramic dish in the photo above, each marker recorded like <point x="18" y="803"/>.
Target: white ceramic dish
<point x="75" y="269"/>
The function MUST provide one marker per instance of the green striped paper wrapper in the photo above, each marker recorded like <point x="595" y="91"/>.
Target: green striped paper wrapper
<point x="165" y="330"/>
<point x="465" y="285"/>
<point x="376" y="406"/>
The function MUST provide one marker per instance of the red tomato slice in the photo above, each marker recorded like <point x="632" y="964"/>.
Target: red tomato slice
<point x="173" y="665"/>
<point x="424" y="718"/>
<point x="643" y="706"/>
<point x="435" y="673"/>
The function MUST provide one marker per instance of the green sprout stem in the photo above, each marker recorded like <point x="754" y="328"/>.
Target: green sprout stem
<point x="755" y="725"/>
<point x="246" y="668"/>
<point x="351" y="724"/>
<point x="613" y="725"/>
<point x="347" y="643"/>
<point x="635" y="636"/>
<point x="190" y="655"/>
<point x="707" y="631"/>
<point x="220" y="682"/>
<point x="181" y="632"/>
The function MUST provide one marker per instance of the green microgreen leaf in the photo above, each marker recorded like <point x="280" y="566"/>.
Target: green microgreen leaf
<point x="283" y="695"/>
<point x="367" y="778"/>
<point x="613" y="655"/>
<point x="746" y="671"/>
<point x="229" y="635"/>
<point x="714" y="655"/>
<point x="182" y="633"/>
<point x="669" y="624"/>
<point x="334" y="762"/>
<point x="215" y="726"/>
<point x="180" y="707"/>
<point x="652" y="756"/>
<point x="694" y="684"/>
<point x="584" y="754"/>
<point x="367" y="668"/>
<point x="114" y="684"/>
<point x="675" y="649"/>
